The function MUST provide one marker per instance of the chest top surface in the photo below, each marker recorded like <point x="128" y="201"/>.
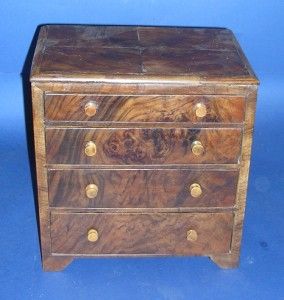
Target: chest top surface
<point x="83" y="53"/>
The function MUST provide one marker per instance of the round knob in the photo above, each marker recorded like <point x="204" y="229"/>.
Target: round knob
<point x="195" y="190"/>
<point x="191" y="235"/>
<point x="197" y="148"/>
<point x="92" y="190"/>
<point x="90" y="108"/>
<point x="92" y="235"/>
<point x="90" y="149"/>
<point x="200" y="110"/>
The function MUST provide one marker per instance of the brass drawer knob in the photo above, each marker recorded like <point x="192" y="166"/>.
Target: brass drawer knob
<point x="200" y="110"/>
<point x="197" y="148"/>
<point x="92" y="235"/>
<point x="195" y="190"/>
<point x="191" y="235"/>
<point x="90" y="149"/>
<point x="90" y="108"/>
<point x="91" y="190"/>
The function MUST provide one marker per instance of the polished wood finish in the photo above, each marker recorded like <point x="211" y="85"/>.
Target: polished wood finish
<point x="143" y="146"/>
<point x="160" y="233"/>
<point x="102" y="52"/>
<point x="168" y="188"/>
<point x="143" y="141"/>
<point x="128" y="108"/>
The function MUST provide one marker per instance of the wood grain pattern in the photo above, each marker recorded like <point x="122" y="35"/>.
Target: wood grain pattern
<point x="41" y="172"/>
<point x="49" y="262"/>
<point x="92" y="36"/>
<point x="131" y="36"/>
<point x="135" y="61"/>
<point x="142" y="146"/>
<point x="129" y="108"/>
<point x="186" y="38"/>
<point x="141" y="188"/>
<point x="233" y="259"/>
<point x="184" y="62"/>
<point x="162" y="234"/>
<point x="104" y="52"/>
<point x="146" y="80"/>
<point x="155" y="86"/>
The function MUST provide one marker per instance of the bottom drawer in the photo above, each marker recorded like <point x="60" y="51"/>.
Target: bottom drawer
<point x="141" y="233"/>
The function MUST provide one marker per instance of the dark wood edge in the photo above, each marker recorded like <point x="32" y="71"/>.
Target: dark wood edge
<point x="136" y="255"/>
<point x="57" y="262"/>
<point x="244" y="59"/>
<point x="149" y="88"/>
<point x="41" y="172"/>
<point x="244" y="173"/>
<point x="138" y="79"/>
<point x="54" y="263"/>
<point x="125" y="125"/>
<point x="38" y="54"/>
<point x="225" y="261"/>
<point x="196" y="167"/>
<point x="140" y="211"/>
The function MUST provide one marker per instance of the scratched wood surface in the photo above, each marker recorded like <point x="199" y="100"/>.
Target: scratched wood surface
<point x="129" y="51"/>
<point x="141" y="188"/>
<point x="142" y="146"/>
<point x="129" y="108"/>
<point x="161" y="233"/>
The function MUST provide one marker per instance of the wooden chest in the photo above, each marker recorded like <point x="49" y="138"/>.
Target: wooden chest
<point x="143" y="140"/>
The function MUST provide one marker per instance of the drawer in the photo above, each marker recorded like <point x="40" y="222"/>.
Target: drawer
<point x="170" y="188"/>
<point x="127" y="108"/>
<point x="142" y="146"/>
<point x="159" y="233"/>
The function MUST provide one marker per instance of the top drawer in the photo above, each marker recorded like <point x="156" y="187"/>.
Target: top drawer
<point x="145" y="108"/>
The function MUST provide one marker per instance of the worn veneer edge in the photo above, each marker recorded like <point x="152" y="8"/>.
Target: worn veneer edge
<point x="196" y="167"/>
<point x="49" y="262"/>
<point x="41" y="172"/>
<point x="232" y="259"/>
<point x="38" y="53"/>
<point x="87" y="210"/>
<point x="244" y="59"/>
<point x="110" y="95"/>
<point x="138" y="79"/>
<point x="135" y="125"/>
<point x="143" y="89"/>
<point x="124" y="126"/>
<point x="136" y="255"/>
<point x="244" y="170"/>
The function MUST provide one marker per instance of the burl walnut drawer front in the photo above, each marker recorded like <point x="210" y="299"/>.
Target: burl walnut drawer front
<point x="142" y="146"/>
<point x="127" y="108"/>
<point x="170" y="188"/>
<point x="160" y="233"/>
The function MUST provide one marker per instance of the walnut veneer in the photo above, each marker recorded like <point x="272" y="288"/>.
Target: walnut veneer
<point x="143" y="140"/>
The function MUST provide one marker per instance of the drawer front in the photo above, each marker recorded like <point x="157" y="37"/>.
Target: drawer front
<point x="127" y="108"/>
<point x="160" y="233"/>
<point x="170" y="188"/>
<point x="142" y="146"/>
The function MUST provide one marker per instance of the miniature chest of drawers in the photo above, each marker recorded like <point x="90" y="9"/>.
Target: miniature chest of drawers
<point x="142" y="141"/>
